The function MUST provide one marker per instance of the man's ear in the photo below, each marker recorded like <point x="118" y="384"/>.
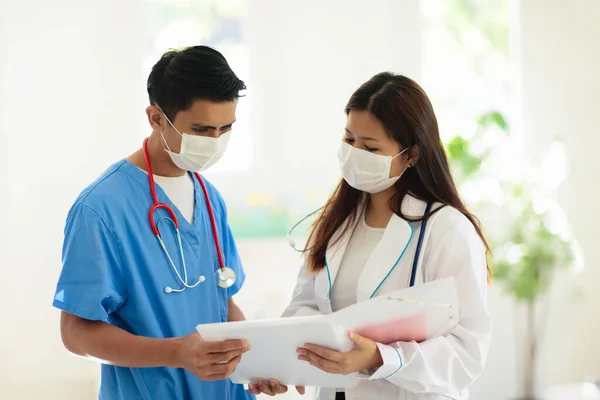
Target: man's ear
<point x="156" y="118"/>
<point x="413" y="155"/>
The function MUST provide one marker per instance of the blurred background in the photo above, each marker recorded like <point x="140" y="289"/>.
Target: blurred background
<point x="515" y="87"/>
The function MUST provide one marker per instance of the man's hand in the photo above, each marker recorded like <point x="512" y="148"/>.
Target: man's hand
<point x="209" y="361"/>
<point x="271" y="387"/>
<point x="98" y="340"/>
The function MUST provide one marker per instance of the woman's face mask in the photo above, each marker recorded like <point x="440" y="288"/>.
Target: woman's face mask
<point x="369" y="156"/>
<point x="366" y="171"/>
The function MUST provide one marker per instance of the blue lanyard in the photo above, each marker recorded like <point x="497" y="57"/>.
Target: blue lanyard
<point x="419" y="244"/>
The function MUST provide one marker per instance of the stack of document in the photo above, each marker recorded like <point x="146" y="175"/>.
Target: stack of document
<point x="414" y="314"/>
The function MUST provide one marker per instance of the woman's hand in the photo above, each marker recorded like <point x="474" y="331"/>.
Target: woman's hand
<point x="365" y="355"/>
<point x="271" y="387"/>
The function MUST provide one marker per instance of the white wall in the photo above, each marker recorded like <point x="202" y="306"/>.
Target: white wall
<point x="70" y="85"/>
<point x="560" y="93"/>
<point x="4" y="228"/>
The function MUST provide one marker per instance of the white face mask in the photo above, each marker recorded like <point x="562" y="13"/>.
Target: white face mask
<point x="366" y="171"/>
<point x="197" y="152"/>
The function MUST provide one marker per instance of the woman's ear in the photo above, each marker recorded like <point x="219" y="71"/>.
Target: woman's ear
<point x="413" y="155"/>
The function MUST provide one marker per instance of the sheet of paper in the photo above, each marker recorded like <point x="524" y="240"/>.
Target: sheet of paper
<point x="398" y="330"/>
<point x="273" y="349"/>
<point x="418" y="313"/>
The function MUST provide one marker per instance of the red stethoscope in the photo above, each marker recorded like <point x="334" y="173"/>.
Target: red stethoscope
<point x="225" y="276"/>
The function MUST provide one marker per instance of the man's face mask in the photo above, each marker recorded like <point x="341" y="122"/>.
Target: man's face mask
<point x="197" y="153"/>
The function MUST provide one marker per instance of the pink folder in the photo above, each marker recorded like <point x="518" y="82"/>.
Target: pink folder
<point x="406" y="329"/>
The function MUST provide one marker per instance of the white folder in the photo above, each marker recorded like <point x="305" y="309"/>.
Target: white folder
<point x="273" y="349"/>
<point x="414" y="314"/>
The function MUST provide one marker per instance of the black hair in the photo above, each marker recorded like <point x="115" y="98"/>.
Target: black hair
<point x="183" y="76"/>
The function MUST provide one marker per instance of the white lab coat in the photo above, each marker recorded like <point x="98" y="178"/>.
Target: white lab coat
<point x="439" y="368"/>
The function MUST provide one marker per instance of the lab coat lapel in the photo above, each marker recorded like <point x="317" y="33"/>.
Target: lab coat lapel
<point x="335" y="252"/>
<point x="386" y="257"/>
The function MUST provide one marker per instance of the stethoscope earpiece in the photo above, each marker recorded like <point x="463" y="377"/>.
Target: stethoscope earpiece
<point x="290" y="240"/>
<point x="169" y="289"/>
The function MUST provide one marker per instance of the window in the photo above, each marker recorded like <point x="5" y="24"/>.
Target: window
<point x="466" y="63"/>
<point x="220" y="24"/>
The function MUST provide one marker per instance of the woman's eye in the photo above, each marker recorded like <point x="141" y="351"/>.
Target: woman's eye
<point x="348" y="140"/>
<point x="371" y="149"/>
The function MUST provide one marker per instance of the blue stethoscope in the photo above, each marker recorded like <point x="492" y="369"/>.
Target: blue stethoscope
<point x="415" y="261"/>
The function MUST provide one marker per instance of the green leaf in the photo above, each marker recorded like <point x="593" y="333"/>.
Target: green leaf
<point x="461" y="159"/>
<point x="501" y="270"/>
<point x="493" y="118"/>
<point x="457" y="148"/>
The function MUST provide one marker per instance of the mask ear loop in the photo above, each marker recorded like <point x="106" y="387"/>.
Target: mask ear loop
<point x="170" y="123"/>
<point x="165" y="142"/>
<point x="162" y="132"/>
<point x="399" y="154"/>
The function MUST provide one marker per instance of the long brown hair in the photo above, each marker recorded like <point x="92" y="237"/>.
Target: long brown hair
<point x="408" y="117"/>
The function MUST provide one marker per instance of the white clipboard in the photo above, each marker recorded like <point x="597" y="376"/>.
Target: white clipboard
<point x="273" y="345"/>
<point x="418" y="313"/>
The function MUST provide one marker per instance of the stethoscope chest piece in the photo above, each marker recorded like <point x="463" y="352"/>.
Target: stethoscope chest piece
<point x="225" y="277"/>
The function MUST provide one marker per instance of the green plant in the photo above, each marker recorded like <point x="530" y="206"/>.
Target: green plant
<point x="467" y="155"/>
<point x="526" y="262"/>
<point x="527" y="248"/>
<point x="525" y="265"/>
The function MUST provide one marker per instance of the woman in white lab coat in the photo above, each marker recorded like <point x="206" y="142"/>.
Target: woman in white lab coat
<point x="394" y="220"/>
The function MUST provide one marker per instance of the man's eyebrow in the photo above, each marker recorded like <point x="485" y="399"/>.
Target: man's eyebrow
<point x="199" y="125"/>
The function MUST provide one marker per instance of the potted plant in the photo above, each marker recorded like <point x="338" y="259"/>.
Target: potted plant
<point x="525" y="263"/>
<point x="530" y="242"/>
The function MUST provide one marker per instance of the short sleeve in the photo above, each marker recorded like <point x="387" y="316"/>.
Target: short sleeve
<point x="90" y="284"/>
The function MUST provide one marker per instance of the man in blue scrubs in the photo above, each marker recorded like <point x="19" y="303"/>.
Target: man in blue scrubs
<point x="125" y="299"/>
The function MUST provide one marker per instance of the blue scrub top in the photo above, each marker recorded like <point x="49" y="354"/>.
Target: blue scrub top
<point x="115" y="271"/>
